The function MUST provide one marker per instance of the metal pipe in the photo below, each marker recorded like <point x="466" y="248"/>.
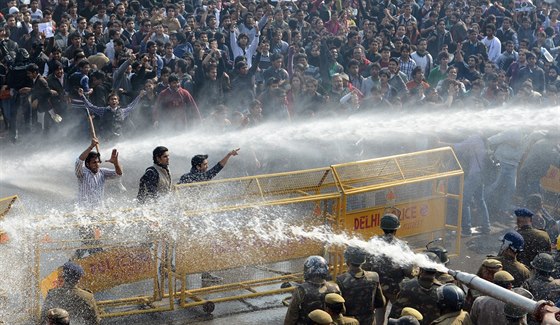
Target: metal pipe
<point x="493" y="290"/>
<point x="539" y="309"/>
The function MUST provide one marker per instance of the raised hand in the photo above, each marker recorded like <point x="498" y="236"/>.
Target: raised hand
<point x="114" y="157"/>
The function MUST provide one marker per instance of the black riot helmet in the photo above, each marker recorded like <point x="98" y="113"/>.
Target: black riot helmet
<point x="354" y="255"/>
<point x="450" y="297"/>
<point x="390" y="221"/>
<point x="543" y="262"/>
<point x="315" y="266"/>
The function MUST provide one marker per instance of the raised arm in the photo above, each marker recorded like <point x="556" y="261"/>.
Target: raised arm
<point x="254" y="44"/>
<point x="224" y="160"/>
<point x="130" y="108"/>
<point x="99" y="111"/>
<point x="80" y="162"/>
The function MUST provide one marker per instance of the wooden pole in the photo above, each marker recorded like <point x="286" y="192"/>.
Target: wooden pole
<point x="92" y="129"/>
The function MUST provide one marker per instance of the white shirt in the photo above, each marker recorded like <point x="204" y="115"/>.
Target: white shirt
<point x="91" y="187"/>
<point x="493" y="47"/>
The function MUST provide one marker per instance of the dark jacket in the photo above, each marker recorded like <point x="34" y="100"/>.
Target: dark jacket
<point x="42" y="93"/>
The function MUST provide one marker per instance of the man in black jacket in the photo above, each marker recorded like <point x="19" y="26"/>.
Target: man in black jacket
<point x="156" y="181"/>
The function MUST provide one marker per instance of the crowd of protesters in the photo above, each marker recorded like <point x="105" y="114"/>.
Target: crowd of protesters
<point x="174" y="65"/>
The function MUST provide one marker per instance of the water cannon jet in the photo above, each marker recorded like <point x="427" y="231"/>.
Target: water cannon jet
<point x="539" y="309"/>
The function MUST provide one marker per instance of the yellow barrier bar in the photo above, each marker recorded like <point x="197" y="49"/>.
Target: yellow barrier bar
<point x="237" y="297"/>
<point x="140" y="299"/>
<point x="135" y="312"/>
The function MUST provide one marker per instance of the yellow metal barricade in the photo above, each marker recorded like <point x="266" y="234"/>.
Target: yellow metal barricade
<point x="422" y="185"/>
<point x="113" y="259"/>
<point x="307" y="198"/>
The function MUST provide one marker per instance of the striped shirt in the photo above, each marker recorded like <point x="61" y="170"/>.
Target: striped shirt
<point x="407" y="67"/>
<point x="91" y="186"/>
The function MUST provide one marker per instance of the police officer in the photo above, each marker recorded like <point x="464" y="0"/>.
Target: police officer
<point x="486" y="271"/>
<point x="360" y="288"/>
<point x="514" y="314"/>
<point x="512" y="245"/>
<point x="541" y="284"/>
<point x="390" y="274"/>
<point x="450" y="302"/>
<point x="58" y="316"/>
<point x="334" y="305"/>
<point x="536" y="240"/>
<point x="489" y="310"/>
<point x="420" y="294"/>
<point x="320" y="317"/>
<point x="79" y="303"/>
<point x="310" y="295"/>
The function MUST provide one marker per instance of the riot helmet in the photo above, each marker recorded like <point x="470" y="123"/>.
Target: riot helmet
<point x="390" y="221"/>
<point x="543" y="262"/>
<point x="513" y="240"/>
<point x="354" y="255"/>
<point x="450" y="297"/>
<point x="315" y="266"/>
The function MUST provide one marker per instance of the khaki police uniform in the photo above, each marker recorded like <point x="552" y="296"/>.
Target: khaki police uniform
<point x="333" y="299"/>
<point x="536" y="241"/>
<point x="454" y="318"/>
<point x="79" y="303"/>
<point x="307" y="297"/>
<point x="390" y="274"/>
<point x="343" y="320"/>
<point x="362" y="294"/>
<point x="422" y="298"/>
<point x="518" y="270"/>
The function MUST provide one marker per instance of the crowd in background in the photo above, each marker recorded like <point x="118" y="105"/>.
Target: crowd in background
<point x="233" y="64"/>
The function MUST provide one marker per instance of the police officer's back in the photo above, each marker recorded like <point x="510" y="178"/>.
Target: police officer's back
<point x="536" y="240"/>
<point x="79" y="303"/>
<point x="360" y="289"/>
<point x="451" y="299"/>
<point x="420" y="294"/>
<point x="390" y="274"/>
<point x="310" y="295"/>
